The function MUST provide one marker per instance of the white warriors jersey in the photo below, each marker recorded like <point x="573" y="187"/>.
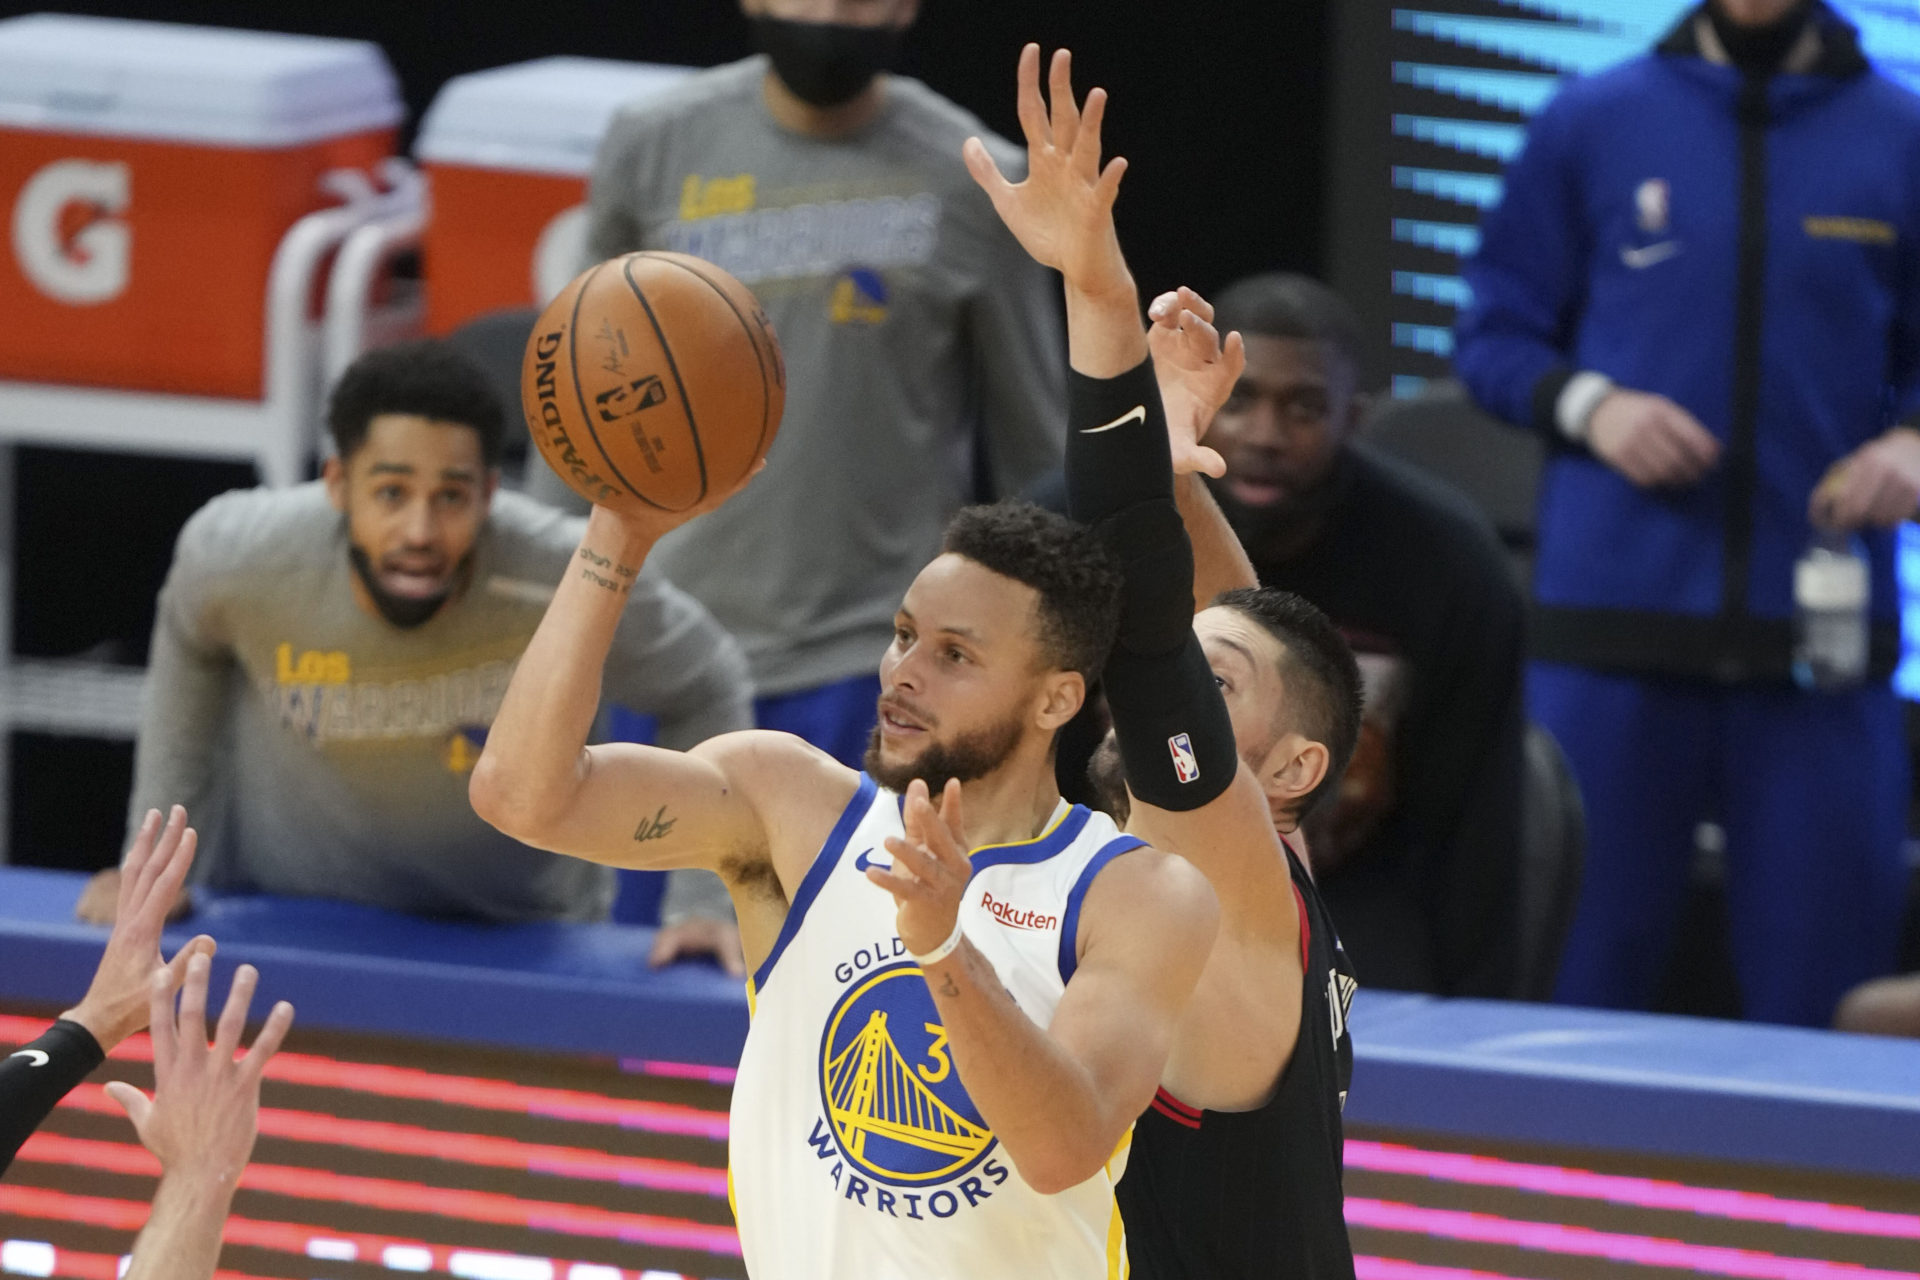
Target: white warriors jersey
<point x="855" y="1150"/>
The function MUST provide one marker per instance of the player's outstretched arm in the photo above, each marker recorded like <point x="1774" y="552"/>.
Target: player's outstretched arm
<point x="618" y="803"/>
<point x="1058" y="1098"/>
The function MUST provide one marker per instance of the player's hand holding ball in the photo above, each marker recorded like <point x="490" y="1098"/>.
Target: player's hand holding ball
<point x="930" y="869"/>
<point x="653" y="385"/>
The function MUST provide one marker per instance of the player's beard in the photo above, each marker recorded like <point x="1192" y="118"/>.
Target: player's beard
<point x="967" y="757"/>
<point x="405" y="612"/>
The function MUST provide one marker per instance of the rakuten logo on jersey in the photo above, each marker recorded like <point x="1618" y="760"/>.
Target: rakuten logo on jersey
<point x="68" y="233"/>
<point x="1018" y="917"/>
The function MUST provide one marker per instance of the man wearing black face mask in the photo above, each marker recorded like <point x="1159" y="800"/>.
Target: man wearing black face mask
<point x="915" y="330"/>
<point x="327" y="659"/>
<point x="1418" y="858"/>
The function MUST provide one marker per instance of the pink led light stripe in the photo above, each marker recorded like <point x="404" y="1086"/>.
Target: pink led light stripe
<point x="1366" y="1267"/>
<point x="1645" y="1193"/>
<point x="36" y="1204"/>
<point x="460" y="1148"/>
<point x="1583" y="1242"/>
<point x="408" y="1197"/>
<point x="467" y="1091"/>
<point x="679" y="1070"/>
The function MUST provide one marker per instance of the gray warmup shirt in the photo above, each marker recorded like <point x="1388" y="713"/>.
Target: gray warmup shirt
<point x="324" y="752"/>
<point x="908" y="315"/>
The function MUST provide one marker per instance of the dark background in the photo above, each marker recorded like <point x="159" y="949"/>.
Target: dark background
<point x="1220" y="106"/>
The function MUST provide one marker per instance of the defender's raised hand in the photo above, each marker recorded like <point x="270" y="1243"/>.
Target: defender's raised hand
<point x="116" y="1003"/>
<point x="1196" y="373"/>
<point x="1062" y="213"/>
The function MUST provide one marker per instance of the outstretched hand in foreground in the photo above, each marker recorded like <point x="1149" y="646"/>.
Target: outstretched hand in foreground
<point x="201" y="1121"/>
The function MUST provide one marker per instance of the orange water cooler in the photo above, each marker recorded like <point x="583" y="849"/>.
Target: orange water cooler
<point x="150" y="172"/>
<point x="507" y="153"/>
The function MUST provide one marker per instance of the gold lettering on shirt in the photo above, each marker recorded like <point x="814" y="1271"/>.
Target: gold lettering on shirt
<point x="710" y="197"/>
<point x="313" y="666"/>
<point x="1858" y="230"/>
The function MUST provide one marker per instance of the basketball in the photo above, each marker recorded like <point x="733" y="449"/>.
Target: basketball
<point x="652" y="381"/>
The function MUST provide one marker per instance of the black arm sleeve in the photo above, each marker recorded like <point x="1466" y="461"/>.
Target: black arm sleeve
<point x="1171" y="723"/>
<point x="35" y="1078"/>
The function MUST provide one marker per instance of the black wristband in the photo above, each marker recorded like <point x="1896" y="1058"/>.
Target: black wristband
<point x="1117" y="450"/>
<point x="34" y="1079"/>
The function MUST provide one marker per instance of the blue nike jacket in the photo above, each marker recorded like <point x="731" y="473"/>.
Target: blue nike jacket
<point x="1749" y="249"/>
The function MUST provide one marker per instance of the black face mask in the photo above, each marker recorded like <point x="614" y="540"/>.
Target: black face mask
<point x="825" y="63"/>
<point x="1763" y="48"/>
<point x="405" y="612"/>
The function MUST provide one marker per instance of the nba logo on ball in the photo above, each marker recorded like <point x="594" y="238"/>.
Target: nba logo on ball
<point x="1184" y="765"/>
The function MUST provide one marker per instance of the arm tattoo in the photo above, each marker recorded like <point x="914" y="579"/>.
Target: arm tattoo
<point x="623" y="576"/>
<point x="947" y="985"/>
<point x="654" y="828"/>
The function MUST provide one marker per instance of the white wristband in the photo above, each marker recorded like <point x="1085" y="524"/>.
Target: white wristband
<point x="945" y="949"/>
<point x="1578" y="399"/>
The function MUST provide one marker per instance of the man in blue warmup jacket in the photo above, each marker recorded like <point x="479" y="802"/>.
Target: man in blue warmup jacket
<point x="1703" y="284"/>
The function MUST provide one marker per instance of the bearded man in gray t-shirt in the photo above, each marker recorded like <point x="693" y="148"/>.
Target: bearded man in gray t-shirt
<point x="909" y="317"/>
<point x="327" y="659"/>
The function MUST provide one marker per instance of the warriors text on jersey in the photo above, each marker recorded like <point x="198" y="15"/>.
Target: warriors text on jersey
<point x="855" y="1149"/>
<point x="1255" y="1195"/>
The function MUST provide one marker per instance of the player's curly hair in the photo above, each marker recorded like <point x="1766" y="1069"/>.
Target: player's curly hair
<point x="1319" y="673"/>
<point x="1077" y="577"/>
<point x="426" y="378"/>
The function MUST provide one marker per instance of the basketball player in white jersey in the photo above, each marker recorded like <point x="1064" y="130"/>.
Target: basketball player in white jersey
<point x="1235" y="1171"/>
<point x="959" y="1004"/>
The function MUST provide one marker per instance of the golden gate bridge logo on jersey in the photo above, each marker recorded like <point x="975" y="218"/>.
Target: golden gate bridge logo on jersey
<point x="896" y="1111"/>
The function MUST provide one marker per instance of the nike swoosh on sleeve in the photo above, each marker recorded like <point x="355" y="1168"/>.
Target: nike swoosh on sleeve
<point x="1136" y="414"/>
<point x="34" y="1057"/>
<point x="1640" y="259"/>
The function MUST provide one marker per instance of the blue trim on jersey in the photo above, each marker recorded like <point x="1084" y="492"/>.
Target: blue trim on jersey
<point x="1070" y="922"/>
<point x="1054" y="840"/>
<point x="823" y="865"/>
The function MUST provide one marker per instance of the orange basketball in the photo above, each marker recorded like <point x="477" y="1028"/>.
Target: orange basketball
<point x="653" y="380"/>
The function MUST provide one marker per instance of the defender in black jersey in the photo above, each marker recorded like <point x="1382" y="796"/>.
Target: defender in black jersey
<point x="1228" y="728"/>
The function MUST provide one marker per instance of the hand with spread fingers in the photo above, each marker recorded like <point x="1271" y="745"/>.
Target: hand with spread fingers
<point x="930" y="871"/>
<point x="201" y="1121"/>
<point x="1196" y="372"/>
<point x="116" y="1004"/>
<point x="1062" y="213"/>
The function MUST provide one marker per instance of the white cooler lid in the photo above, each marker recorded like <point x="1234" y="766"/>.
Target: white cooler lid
<point x="545" y="116"/>
<point x="177" y="83"/>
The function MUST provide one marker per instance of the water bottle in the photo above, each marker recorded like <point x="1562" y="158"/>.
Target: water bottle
<point x="1831" y="592"/>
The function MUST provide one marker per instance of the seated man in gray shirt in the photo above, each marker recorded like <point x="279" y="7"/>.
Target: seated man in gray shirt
<point x="327" y="659"/>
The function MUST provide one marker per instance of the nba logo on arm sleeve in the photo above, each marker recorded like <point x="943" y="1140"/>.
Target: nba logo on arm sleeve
<point x="1185" y="767"/>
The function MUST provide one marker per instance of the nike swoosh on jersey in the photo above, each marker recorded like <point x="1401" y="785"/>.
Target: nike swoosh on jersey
<point x="34" y="1057"/>
<point x="1641" y="259"/>
<point x="865" y="860"/>
<point x="1136" y="414"/>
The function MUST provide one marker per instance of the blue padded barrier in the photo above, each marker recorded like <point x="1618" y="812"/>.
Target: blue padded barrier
<point x="563" y="987"/>
<point x="1525" y="1073"/>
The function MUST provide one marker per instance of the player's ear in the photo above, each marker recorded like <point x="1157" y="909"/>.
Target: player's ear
<point x="1294" y="767"/>
<point x="334" y="473"/>
<point x="1062" y="696"/>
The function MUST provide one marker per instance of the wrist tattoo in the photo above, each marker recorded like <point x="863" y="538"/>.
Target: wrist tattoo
<point x="654" y="828"/>
<point x="599" y="566"/>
